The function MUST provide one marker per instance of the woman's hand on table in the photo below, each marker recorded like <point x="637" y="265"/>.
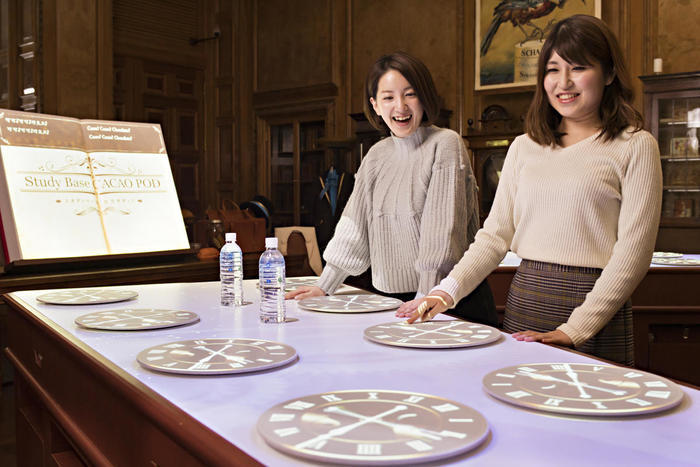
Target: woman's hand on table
<point x="305" y="291"/>
<point x="425" y="308"/>
<point x="553" y="337"/>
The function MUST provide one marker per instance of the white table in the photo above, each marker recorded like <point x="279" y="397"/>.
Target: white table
<point x="333" y="356"/>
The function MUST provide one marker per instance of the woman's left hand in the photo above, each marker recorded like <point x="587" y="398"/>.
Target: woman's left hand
<point x="553" y="337"/>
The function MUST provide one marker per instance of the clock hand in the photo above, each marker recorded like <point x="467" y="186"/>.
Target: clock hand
<point x="552" y="378"/>
<point x="574" y="377"/>
<point x="347" y="428"/>
<point x="436" y="331"/>
<point x="398" y="428"/>
<point x="213" y="353"/>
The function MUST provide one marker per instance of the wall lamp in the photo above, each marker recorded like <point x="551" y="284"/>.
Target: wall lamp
<point x="216" y="34"/>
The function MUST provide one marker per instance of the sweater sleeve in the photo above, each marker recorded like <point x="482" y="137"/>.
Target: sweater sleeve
<point x="640" y="208"/>
<point x="492" y="241"/>
<point x="347" y="253"/>
<point x="443" y="225"/>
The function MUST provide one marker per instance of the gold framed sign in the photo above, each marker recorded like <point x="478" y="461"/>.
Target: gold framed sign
<point x="74" y="188"/>
<point x="509" y="36"/>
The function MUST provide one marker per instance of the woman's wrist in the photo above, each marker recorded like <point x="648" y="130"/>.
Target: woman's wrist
<point x="444" y="297"/>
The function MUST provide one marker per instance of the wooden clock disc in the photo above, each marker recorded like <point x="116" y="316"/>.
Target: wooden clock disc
<point x="86" y="296"/>
<point x="136" y="319"/>
<point x="365" y="303"/>
<point x="372" y="427"/>
<point x="437" y="334"/>
<point x="583" y="389"/>
<point x="216" y="356"/>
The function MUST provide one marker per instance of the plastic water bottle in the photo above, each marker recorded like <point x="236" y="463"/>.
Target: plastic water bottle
<point x="272" y="281"/>
<point x="231" y="272"/>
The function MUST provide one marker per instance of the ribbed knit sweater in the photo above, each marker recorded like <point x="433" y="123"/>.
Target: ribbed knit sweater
<point x="591" y="204"/>
<point x="411" y="215"/>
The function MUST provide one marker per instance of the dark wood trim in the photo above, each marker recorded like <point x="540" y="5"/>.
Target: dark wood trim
<point x="86" y="447"/>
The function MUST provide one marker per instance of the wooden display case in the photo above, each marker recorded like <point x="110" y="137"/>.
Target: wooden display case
<point x="290" y="126"/>
<point x="296" y="162"/>
<point x="672" y="113"/>
<point x="488" y="153"/>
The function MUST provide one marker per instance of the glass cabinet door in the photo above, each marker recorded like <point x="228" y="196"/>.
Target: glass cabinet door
<point x="311" y="168"/>
<point x="282" y="173"/>
<point x="296" y="163"/>
<point x="678" y="129"/>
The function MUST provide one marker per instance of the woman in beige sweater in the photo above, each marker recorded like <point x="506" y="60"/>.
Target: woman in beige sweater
<point x="579" y="201"/>
<point x="413" y="211"/>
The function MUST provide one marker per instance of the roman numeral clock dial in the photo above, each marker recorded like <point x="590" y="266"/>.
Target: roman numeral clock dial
<point x="350" y="303"/>
<point x="136" y="319"/>
<point x="216" y="356"/>
<point x="86" y="296"/>
<point x="583" y="389"/>
<point x="372" y="427"/>
<point x="433" y="334"/>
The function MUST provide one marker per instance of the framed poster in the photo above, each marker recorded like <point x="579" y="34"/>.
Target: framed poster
<point x="509" y="36"/>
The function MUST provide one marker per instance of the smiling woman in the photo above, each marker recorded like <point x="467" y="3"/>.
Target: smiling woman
<point x="413" y="210"/>
<point x="579" y="200"/>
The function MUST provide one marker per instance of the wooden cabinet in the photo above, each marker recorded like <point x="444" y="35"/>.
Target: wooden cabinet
<point x="291" y="157"/>
<point x="672" y="113"/>
<point x="488" y="153"/>
<point x="296" y="162"/>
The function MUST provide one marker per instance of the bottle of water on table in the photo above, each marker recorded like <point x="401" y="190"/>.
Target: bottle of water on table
<point x="231" y="272"/>
<point x="272" y="279"/>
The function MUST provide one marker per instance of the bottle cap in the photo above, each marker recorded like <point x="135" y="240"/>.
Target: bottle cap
<point x="231" y="237"/>
<point x="271" y="242"/>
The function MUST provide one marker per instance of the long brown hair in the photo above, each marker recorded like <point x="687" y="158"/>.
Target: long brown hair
<point x="416" y="73"/>
<point x="584" y="40"/>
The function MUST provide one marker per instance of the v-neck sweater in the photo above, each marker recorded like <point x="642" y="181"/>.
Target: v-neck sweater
<point x="591" y="204"/>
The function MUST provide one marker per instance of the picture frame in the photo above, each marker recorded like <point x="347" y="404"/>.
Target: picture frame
<point x="679" y="146"/>
<point x="506" y="54"/>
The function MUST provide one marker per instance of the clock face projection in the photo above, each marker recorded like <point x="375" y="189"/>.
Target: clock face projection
<point x="136" y="319"/>
<point x="296" y="282"/>
<point x="583" y="389"/>
<point x="215" y="356"/>
<point x="666" y="254"/>
<point x="432" y="334"/>
<point x="677" y="261"/>
<point x="372" y="427"/>
<point x="86" y="296"/>
<point x="350" y="303"/>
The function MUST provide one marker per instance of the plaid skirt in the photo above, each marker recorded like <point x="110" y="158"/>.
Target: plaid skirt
<point x="543" y="295"/>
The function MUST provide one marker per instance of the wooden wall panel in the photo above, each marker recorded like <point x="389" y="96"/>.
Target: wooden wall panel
<point x="160" y="29"/>
<point x="77" y="58"/>
<point x="430" y="30"/>
<point x="678" y="40"/>
<point x="293" y="43"/>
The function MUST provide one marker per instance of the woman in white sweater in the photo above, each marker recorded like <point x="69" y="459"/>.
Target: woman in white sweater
<point x="413" y="211"/>
<point x="579" y="201"/>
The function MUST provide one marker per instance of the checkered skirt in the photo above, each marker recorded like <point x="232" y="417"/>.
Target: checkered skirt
<point x="543" y="295"/>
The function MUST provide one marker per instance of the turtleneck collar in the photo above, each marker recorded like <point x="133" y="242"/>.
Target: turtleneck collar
<point x="413" y="140"/>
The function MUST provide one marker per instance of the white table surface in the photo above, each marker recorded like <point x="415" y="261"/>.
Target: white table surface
<point x="333" y="356"/>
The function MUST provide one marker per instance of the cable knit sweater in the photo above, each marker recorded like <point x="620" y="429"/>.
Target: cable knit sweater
<point x="591" y="204"/>
<point x="411" y="215"/>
